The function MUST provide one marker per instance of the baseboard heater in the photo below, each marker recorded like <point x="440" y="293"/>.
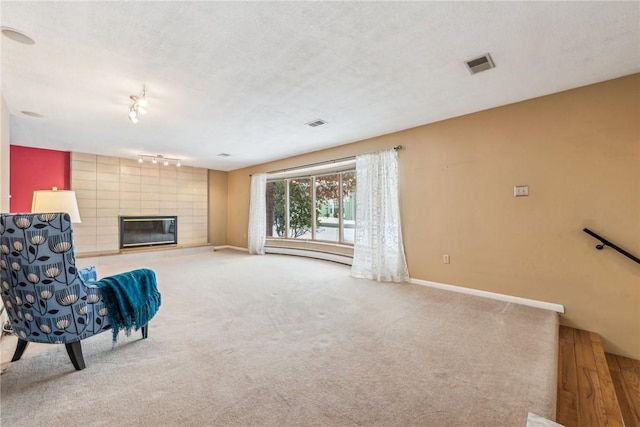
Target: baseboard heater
<point x="339" y="258"/>
<point x="141" y="231"/>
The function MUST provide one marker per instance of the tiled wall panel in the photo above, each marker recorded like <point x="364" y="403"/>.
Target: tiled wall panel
<point x="109" y="187"/>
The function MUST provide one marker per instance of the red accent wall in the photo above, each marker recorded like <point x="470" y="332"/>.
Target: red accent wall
<point x="36" y="169"/>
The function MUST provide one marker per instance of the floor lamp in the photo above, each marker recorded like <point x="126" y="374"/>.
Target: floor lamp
<point x="52" y="201"/>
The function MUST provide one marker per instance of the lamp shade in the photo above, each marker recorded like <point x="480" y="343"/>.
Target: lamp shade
<point x="50" y="201"/>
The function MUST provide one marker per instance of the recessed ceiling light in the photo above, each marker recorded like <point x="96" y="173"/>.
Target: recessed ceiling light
<point x="16" y="35"/>
<point x="31" y="114"/>
<point x="224" y="155"/>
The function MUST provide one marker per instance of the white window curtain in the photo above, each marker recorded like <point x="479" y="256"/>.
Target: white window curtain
<point x="257" y="233"/>
<point x="378" y="250"/>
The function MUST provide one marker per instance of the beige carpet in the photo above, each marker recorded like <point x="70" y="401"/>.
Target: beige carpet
<point x="275" y="340"/>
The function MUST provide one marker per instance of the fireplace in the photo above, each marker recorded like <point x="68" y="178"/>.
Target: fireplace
<point x="140" y="231"/>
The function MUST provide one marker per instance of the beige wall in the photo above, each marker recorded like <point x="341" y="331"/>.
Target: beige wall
<point x="218" y="207"/>
<point x="579" y="152"/>
<point x="4" y="157"/>
<point x="107" y="187"/>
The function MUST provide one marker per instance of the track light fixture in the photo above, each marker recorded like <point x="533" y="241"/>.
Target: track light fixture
<point x="138" y="106"/>
<point x="159" y="158"/>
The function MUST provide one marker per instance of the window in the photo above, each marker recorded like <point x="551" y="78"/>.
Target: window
<point x="318" y="207"/>
<point x="348" y="206"/>
<point x="300" y="214"/>
<point x="327" y="207"/>
<point x="276" y="225"/>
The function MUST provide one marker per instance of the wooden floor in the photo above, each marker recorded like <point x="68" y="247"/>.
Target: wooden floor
<point x="595" y="389"/>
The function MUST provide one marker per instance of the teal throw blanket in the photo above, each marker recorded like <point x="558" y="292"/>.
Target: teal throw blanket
<point x="132" y="299"/>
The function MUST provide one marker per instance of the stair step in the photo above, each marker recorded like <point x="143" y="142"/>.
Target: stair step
<point x="625" y="374"/>
<point x="586" y="393"/>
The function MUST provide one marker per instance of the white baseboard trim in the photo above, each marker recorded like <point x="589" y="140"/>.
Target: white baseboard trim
<point x="342" y="259"/>
<point x="235" y="248"/>
<point x="492" y="295"/>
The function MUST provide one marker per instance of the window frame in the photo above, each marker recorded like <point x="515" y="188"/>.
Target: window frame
<point x="307" y="173"/>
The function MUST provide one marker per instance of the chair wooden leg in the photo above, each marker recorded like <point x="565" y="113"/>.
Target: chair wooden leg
<point x="144" y="331"/>
<point x="74" y="350"/>
<point x="22" y="345"/>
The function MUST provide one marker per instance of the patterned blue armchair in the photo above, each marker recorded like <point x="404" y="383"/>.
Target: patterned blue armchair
<point x="48" y="300"/>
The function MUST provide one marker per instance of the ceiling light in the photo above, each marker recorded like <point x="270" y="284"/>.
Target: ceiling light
<point x="156" y="158"/>
<point x="224" y="155"/>
<point x="16" y="35"/>
<point x="138" y="107"/>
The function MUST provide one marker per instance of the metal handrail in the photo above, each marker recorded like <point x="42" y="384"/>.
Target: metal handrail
<point x="604" y="242"/>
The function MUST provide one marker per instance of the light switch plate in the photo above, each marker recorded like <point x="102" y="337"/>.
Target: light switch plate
<point x="521" y="190"/>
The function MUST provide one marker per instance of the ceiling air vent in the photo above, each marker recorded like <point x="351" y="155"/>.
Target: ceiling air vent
<point x="316" y="123"/>
<point x="224" y="155"/>
<point x="482" y="63"/>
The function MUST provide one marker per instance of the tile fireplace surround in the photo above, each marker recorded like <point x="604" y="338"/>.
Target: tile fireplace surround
<point x="108" y="187"/>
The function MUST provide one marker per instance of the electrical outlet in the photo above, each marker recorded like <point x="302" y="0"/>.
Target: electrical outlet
<point x="446" y="259"/>
<point x="521" y="190"/>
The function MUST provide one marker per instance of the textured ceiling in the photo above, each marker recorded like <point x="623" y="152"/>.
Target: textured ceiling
<point x="244" y="78"/>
